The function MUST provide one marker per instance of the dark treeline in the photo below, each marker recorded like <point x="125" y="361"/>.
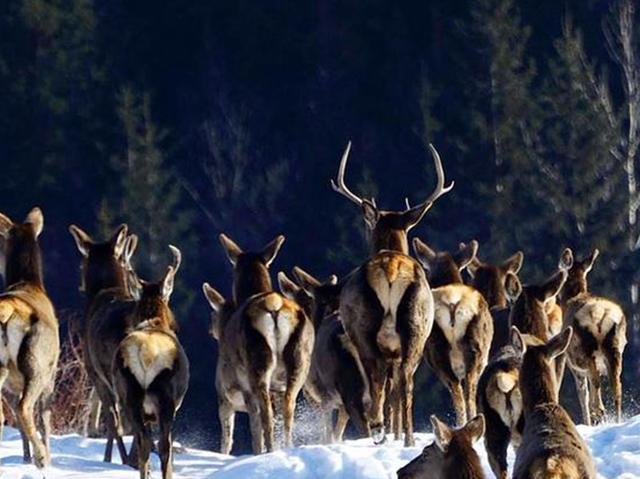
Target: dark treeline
<point x="186" y="119"/>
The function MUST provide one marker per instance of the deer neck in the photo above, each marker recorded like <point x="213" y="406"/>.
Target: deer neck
<point x="573" y="287"/>
<point x="250" y="281"/>
<point x="100" y="277"/>
<point x="539" y="384"/>
<point x="391" y="240"/>
<point x="24" y="264"/>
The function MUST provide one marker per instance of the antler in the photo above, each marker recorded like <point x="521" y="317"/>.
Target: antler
<point x="440" y="188"/>
<point x="177" y="258"/>
<point x="339" y="186"/>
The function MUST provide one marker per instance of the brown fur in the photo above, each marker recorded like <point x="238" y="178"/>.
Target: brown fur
<point x="337" y="380"/>
<point x="386" y="304"/>
<point x="489" y="279"/>
<point x="551" y="445"/>
<point x="106" y="319"/>
<point x="150" y="371"/>
<point x="30" y="338"/>
<point x="451" y="456"/>
<point x="458" y="347"/>
<point x="599" y="341"/>
<point x="265" y="346"/>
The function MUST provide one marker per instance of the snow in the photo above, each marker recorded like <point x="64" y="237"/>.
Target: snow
<point x="616" y="449"/>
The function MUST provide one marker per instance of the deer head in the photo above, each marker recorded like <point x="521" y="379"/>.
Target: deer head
<point x="451" y="455"/>
<point x="443" y="267"/>
<point x="23" y="260"/>
<point x="490" y="279"/>
<point x="250" y="269"/>
<point x="318" y="299"/>
<point x="102" y="264"/>
<point x="153" y="297"/>
<point x="388" y="229"/>
<point x="577" y="272"/>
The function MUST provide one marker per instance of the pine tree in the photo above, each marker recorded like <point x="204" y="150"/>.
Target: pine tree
<point x="509" y="122"/>
<point x="150" y="195"/>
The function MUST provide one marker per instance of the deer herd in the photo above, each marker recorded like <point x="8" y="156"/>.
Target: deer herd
<point x="351" y="345"/>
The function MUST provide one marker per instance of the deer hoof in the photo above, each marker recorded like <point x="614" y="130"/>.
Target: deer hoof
<point x="378" y="436"/>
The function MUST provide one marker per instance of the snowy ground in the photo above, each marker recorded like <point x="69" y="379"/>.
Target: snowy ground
<point x="616" y="449"/>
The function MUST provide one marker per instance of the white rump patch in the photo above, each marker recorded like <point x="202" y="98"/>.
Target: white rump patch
<point x="147" y="355"/>
<point x="598" y="316"/>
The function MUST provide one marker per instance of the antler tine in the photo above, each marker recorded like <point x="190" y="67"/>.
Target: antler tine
<point x="440" y="188"/>
<point x="406" y="203"/>
<point x="339" y="186"/>
<point x="177" y="258"/>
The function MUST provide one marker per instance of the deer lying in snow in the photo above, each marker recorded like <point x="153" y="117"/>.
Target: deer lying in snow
<point x="458" y="347"/>
<point x="150" y="369"/>
<point x="598" y="343"/>
<point x="386" y="304"/>
<point x="265" y="347"/>
<point x="551" y="445"/>
<point x="493" y="281"/>
<point x="29" y="342"/>
<point x="450" y="456"/>
<point x="336" y="379"/>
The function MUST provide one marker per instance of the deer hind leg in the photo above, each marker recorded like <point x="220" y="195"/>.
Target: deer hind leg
<point x="496" y="441"/>
<point x="457" y="396"/>
<point x="595" y="385"/>
<point x="227" y="416"/>
<point x="614" y="363"/>
<point x="26" y="413"/>
<point x="471" y="391"/>
<point x="166" y="418"/>
<point x="255" y="423"/>
<point x="582" y="389"/>
<point x="92" y="427"/>
<point x="378" y="379"/>
<point x="144" y="444"/>
<point x="407" y="405"/>
<point x="341" y="424"/>
<point x="4" y="372"/>
<point x="45" y="420"/>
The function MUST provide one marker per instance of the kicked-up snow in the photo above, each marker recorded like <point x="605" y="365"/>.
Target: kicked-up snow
<point x="615" y="447"/>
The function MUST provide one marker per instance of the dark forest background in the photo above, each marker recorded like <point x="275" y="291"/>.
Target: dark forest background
<point x="185" y="119"/>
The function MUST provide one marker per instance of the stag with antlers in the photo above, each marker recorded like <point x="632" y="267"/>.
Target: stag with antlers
<point x="386" y="304"/>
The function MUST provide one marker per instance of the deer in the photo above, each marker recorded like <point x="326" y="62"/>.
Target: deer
<point x="92" y="425"/>
<point x="599" y="341"/>
<point x="451" y="455"/>
<point x="458" y="348"/>
<point x="29" y="331"/>
<point x="493" y="281"/>
<point x="337" y="380"/>
<point x="150" y="370"/>
<point x="265" y="347"/>
<point x="386" y="304"/>
<point x="551" y="445"/>
<point x="103" y="278"/>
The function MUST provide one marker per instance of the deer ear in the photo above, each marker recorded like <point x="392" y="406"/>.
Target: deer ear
<point x="559" y="343"/>
<point x="134" y="284"/>
<point x="566" y="259"/>
<point x="36" y="219"/>
<point x="553" y="285"/>
<point x="442" y="433"/>
<point x="82" y="239"/>
<point x="517" y="341"/>
<point x="589" y="260"/>
<point x="308" y="282"/>
<point x="232" y="250"/>
<point x="512" y="286"/>
<point x="370" y="213"/>
<point x="5" y="225"/>
<point x="118" y="240"/>
<point x="270" y="251"/>
<point x="215" y="299"/>
<point x="130" y="246"/>
<point x="513" y="263"/>
<point x="465" y="254"/>
<point x="167" y="283"/>
<point x="332" y="280"/>
<point x="287" y="286"/>
<point x="425" y="255"/>
<point x="474" y="265"/>
<point x="475" y="428"/>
